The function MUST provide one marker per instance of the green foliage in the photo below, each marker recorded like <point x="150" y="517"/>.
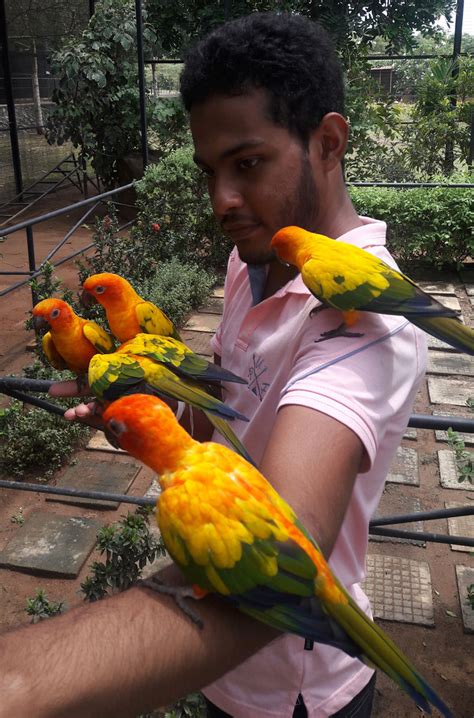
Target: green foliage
<point x="439" y="135"/>
<point x="39" y="607"/>
<point x="464" y="459"/>
<point x="193" y="706"/>
<point x="128" y="546"/>
<point x="470" y="595"/>
<point x="133" y="256"/>
<point x="173" y="194"/>
<point x="169" y="126"/>
<point x="97" y="92"/>
<point x="178" y="287"/>
<point x="34" y="440"/>
<point x="18" y="518"/>
<point x="431" y="225"/>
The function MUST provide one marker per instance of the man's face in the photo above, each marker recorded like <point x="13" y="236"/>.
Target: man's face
<point x="259" y="175"/>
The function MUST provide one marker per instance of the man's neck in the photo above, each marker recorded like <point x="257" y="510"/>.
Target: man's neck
<point x="278" y="275"/>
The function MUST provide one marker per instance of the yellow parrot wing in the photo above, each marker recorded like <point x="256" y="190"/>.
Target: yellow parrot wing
<point x="98" y="337"/>
<point x="153" y="321"/>
<point x="52" y="354"/>
<point x="112" y="375"/>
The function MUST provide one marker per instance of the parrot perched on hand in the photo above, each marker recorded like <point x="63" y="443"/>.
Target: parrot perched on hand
<point x="348" y="278"/>
<point x="127" y="313"/>
<point x="71" y="341"/>
<point x="232" y="534"/>
<point x="178" y="357"/>
<point x="113" y="375"/>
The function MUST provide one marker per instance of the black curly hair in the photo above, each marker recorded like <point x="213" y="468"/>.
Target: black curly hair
<point x="289" y="56"/>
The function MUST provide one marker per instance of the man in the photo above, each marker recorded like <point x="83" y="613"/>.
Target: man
<point x="265" y="98"/>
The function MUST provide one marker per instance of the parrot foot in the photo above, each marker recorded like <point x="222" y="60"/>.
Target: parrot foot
<point x="339" y="331"/>
<point x="179" y="593"/>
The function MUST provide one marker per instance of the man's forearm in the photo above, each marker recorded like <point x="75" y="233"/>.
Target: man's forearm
<point x="121" y="656"/>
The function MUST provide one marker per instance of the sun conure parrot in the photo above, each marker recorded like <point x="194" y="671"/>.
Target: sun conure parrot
<point x="232" y="534"/>
<point x="71" y="341"/>
<point x="177" y="357"/>
<point x="127" y="313"/>
<point x="350" y="279"/>
<point x="114" y="375"/>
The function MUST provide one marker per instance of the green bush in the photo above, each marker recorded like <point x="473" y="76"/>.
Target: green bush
<point x="177" y="288"/>
<point x="173" y="194"/>
<point x="429" y="225"/>
<point x="33" y="439"/>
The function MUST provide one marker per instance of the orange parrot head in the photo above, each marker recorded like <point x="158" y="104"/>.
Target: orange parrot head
<point x="290" y="243"/>
<point x="146" y="427"/>
<point x="107" y="289"/>
<point x="53" y="314"/>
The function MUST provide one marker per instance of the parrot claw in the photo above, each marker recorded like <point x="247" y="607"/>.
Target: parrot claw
<point x="179" y="593"/>
<point x="339" y="331"/>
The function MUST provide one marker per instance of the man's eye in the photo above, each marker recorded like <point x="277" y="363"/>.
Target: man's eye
<point x="249" y="163"/>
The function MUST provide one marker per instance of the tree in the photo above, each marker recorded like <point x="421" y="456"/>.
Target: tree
<point x="33" y="24"/>
<point x="96" y="98"/>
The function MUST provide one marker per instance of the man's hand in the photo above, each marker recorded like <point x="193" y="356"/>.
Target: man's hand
<point x="89" y="413"/>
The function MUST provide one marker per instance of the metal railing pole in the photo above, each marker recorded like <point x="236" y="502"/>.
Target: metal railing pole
<point x="31" y="258"/>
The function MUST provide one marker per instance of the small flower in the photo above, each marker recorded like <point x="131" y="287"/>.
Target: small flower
<point x="155" y="227"/>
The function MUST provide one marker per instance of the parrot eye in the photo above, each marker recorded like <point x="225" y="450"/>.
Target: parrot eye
<point x="100" y="289"/>
<point x="116" y="427"/>
<point x="55" y="313"/>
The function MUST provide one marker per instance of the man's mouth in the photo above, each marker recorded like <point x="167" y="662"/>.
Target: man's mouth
<point x="239" y="231"/>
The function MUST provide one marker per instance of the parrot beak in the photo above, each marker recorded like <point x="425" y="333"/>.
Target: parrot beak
<point x="87" y="299"/>
<point x="40" y="323"/>
<point x="113" y="431"/>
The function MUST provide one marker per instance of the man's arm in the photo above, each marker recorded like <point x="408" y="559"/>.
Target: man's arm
<point x="121" y="656"/>
<point x="137" y="650"/>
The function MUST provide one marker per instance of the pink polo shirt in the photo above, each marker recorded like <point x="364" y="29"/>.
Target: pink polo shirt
<point x="367" y="383"/>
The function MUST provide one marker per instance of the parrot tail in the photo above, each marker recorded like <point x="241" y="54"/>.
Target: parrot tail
<point x="378" y="650"/>
<point x="451" y="331"/>
<point x="228" y="433"/>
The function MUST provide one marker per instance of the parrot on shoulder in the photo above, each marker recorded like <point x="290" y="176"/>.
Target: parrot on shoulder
<point x="114" y="375"/>
<point x="127" y="313"/>
<point x="71" y="341"/>
<point x="232" y="534"/>
<point x="348" y="278"/>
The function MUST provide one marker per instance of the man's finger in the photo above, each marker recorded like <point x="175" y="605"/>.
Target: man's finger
<point x="69" y="388"/>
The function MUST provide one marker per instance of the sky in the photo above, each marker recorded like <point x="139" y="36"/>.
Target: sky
<point x="468" y="19"/>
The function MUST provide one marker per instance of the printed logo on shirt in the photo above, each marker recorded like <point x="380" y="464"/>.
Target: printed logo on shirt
<point x="255" y="374"/>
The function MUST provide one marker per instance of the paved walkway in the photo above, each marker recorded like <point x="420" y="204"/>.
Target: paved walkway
<point x="408" y="582"/>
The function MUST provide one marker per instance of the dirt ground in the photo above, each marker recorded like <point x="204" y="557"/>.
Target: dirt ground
<point x="444" y="654"/>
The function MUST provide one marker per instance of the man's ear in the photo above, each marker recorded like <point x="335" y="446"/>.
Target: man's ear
<point x="329" y="139"/>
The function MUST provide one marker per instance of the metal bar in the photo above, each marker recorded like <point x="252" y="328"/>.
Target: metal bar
<point x="78" y="493"/>
<point x="408" y="57"/>
<point x="427" y="421"/>
<point x="402" y="185"/>
<point x="38" y="181"/>
<point x="423" y="536"/>
<point x="63" y="210"/>
<point x="16" y="274"/>
<point x="458" y="29"/>
<point x="15" y="148"/>
<point x="69" y="233"/>
<point x="141" y="82"/>
<point x="91" y="8"/>
<point x="31" y="258"/>
<point x="25" y="384"/>
<point x="422" y="516"/>
<point x="42" y="404"/>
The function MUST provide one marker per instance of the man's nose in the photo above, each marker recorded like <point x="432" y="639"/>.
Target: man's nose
<point x="225" y="197"/>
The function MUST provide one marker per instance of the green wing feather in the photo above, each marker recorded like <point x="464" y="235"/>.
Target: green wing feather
<point x="178" y="357"/>
<point x="113" y="375"/>
<point x="228" y="433"/>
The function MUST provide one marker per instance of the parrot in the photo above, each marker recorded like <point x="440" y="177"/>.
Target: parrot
<point x="348" y="278"/>
<point x="178" y="357"/>
<point x="233" y="535"/>
<point x="113" y="375"/>
<point x="71" y="341"/>
<point x="127" y="313"/>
